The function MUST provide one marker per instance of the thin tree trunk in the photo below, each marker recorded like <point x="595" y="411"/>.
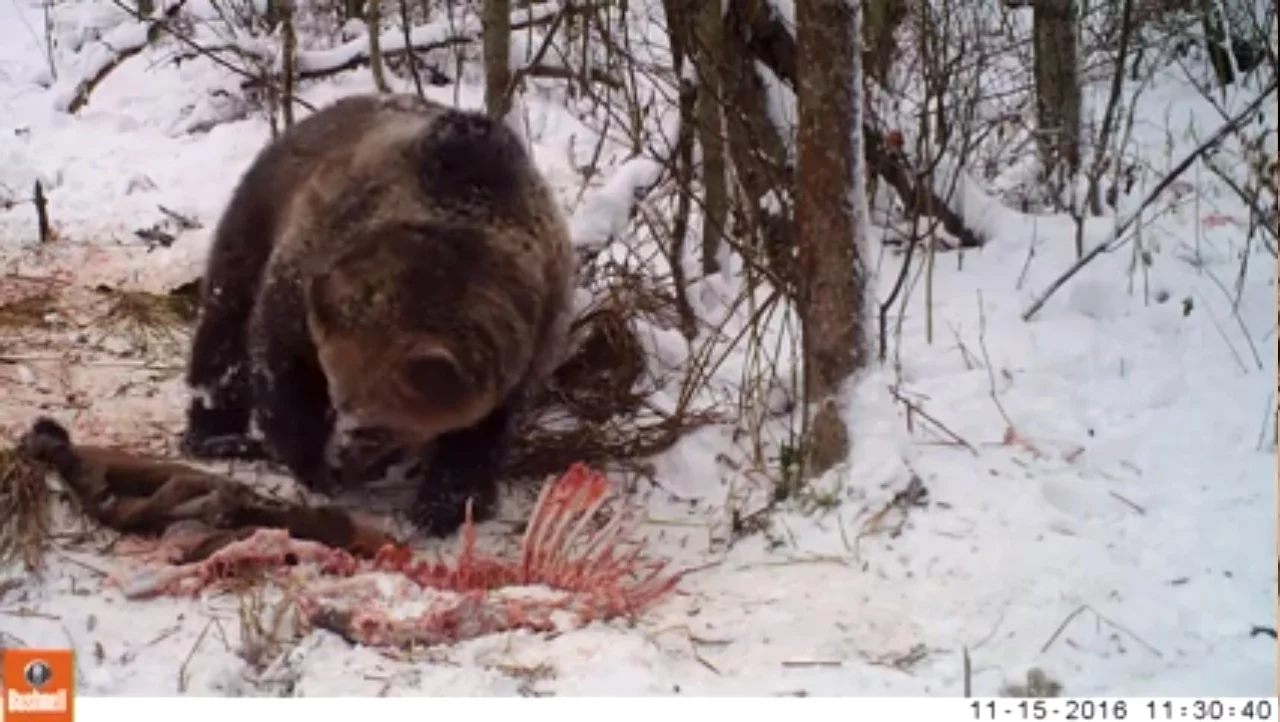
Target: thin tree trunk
<point x="373" y="21"/>
<point x="1217" y="41"/>
<point x="496" y="21"/>
<point x="832" y="277"/>
<point x="288" y="69"/>
<point x="709" y="54"/>
<point x="679" y="32"/>
<point x="881" y="19"/>
<point x="1057" y="91"/>
<point x="762" y="173"/>
<point x="410" y="57"/>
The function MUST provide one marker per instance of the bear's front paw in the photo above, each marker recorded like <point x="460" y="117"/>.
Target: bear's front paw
<point x="225" y="447"/>
<point x="440" y="515"/>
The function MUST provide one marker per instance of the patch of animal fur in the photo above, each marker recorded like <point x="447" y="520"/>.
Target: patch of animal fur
<point x="135" y="494"/>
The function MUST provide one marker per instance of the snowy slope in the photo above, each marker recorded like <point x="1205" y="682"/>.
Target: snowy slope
<point x="1124" y="543"/>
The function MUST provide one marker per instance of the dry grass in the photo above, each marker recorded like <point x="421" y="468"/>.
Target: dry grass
<point x="625" y="441"/>
<point x="171" y="309"/>
<point x="27" y="308"/>
<point x="599" y="381"/>
<point x="150" y="321"/>
<point x="269" y="620"/>
<point x="596" y="410"/>
<point x="25" y="510"/>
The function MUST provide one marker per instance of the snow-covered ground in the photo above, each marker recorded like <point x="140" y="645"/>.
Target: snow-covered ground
<point x="1123" y="542"/>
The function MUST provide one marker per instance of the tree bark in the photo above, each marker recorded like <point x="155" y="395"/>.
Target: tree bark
<point x="1057" y="90"/>
<point x="1217" y="42"/>
<point x="289" y="60"/>
<point x="496" y="23"/>
<point x="709" y="52"/>
<point x="373" y="22"/>
<point x="679" y="33"/>
<point x="761" y="170"/>
<point x="880" y="20"/>
<point x="832" y="276"/>
<point x="753" y="32"/>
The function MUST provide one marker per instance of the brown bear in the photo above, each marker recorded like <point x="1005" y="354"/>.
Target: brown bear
<point x="391" y="274"/>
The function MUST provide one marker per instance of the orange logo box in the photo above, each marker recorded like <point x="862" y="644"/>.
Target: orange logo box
<point x="39" y="685"/>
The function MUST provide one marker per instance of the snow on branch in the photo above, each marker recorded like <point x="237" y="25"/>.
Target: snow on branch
<point x="432" y="36"/>
<point x="608" y="208"/>
<point x="605" y="212"/>
<point x="119" y="44"/>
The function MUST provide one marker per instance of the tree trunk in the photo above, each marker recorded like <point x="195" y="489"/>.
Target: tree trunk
<point x="284" y="11"/>
<point x="709" y="53"/>
<point x="762" y="172"/>
<point x="1217" y="42"/>
<point x="679" y="33"/>
<point x="832" y="276"/>
<point x="755" y="34"/>
<point x="373" y="23"/>
<point x="496" y="21"/>
<point x="1057" y="91"/>
<point x="880" y="21"/>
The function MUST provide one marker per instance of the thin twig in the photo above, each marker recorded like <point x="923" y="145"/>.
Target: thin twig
<point x="812" y="663"/>
<point x="986" y="361"/>
<point x="1268" y="415"/>
<point x="1223" y="333"/>
<point x="1235" y="313"/>
<point x="916" y="408"/>
<point x="182" y="670"/>
<point x="1118" y="627"/>
<point x="1061" y="627"/>
<point x="199" y="49"/>
<point x="1131" y="504"/>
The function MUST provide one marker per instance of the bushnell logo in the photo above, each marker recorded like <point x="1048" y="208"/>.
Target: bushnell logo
<point x="37" y="673"/>
<point x="39" y="684"/>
